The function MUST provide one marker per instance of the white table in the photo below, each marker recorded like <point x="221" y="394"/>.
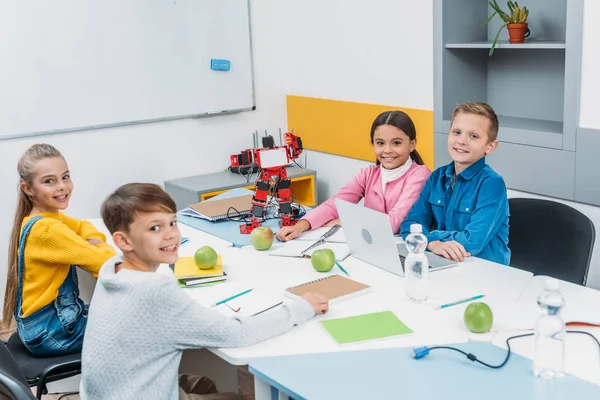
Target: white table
<point x="510" y="292"/>
<point x="581" y="304"/>
<point x="273" y="274"/>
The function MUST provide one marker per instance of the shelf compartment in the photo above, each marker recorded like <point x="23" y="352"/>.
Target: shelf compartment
<point x="504" y="44"/>
<point x="528" y="131"/>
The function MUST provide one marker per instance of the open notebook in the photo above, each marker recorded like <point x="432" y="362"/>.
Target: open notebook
<point x="295" y="248"/>
<point x="253" y="302"/>
<point x="250" y="304"/>
<point x="316" y="234"/>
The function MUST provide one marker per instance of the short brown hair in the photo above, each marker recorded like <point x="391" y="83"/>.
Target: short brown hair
<point x="483" y="109"/>
<point x="121" y="207"/>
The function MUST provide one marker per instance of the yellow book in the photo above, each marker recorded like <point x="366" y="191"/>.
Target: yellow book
<point x="186" y="268"/>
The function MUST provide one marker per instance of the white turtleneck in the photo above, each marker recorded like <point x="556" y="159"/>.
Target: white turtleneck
<point x="388" y="175"/>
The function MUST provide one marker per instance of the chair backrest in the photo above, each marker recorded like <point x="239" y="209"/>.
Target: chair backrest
<point x="13" y="384"/>
<point x="550" y="238"/>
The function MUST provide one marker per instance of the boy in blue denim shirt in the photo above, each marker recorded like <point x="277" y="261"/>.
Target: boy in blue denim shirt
<point x="463" y="206"/>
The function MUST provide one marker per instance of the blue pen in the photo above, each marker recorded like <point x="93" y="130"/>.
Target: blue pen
<point x="233" y="297"/>
<point x="460" y="301"/>
<point x="184" y="240"/>
<point x="342" y="268"/>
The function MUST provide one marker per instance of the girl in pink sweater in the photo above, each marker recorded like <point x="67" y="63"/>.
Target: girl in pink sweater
<point x="391" y="186"/>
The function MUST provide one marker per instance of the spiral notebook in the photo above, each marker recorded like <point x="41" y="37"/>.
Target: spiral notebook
<point x="334" y="287"/>
<point x="303" y="248"/>
<point x="216" y="210"/>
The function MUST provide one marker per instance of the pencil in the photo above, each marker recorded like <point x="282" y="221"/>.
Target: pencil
<point x="460" y="301"/>
<point x="342" y="268"/>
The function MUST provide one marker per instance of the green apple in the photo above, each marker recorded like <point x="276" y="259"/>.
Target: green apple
<point x="478" y="317"/>
<point x="262" y="238"/>
<point x="206" y="257"/>
<point x="323" y="260"/>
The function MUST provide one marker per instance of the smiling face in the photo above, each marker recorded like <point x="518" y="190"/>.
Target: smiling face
<point x="392" y="146"/>
<point x="153" y="239"/>
<point x="51" y="186"/>
<point x="468" y="140"/>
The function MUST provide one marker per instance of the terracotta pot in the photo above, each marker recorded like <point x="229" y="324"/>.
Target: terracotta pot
<point x="517" y="32"/>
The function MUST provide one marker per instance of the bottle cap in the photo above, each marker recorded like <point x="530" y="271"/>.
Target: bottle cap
<point x="551" y="284"/>
<point x="416" y="228"/>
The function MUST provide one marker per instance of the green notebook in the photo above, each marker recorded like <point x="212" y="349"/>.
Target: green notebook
<point x="363" y="327"/>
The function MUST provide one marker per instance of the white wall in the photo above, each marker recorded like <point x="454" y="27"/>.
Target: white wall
<point x="102" y="160"/>
<point x="378" y="55"/>
<point x="590" y="80"/>
<point x="377" y="52"/>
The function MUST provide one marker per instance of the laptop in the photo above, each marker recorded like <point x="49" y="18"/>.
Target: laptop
<point x="370" y="239"/>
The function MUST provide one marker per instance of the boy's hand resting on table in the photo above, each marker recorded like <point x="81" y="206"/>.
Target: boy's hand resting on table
<point x="292" y="232"/>
<point x="318" y="302"/>
<point x="452" y="250"/>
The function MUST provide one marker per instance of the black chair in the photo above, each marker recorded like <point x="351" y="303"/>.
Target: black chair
<point x="550" y="238"/>
<point x="13" y="384"/>
<point x="39" y="371"/>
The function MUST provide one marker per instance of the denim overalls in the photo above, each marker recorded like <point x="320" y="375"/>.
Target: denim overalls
<point x="58" y="328"/>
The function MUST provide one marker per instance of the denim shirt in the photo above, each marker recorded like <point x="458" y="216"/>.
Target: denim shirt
<point x="474" y="213"/>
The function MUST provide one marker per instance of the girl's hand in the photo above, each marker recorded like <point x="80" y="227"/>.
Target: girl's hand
<point x="292" y="232"/>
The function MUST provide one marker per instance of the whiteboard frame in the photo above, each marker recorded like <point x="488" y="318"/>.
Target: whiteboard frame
<point x="154" y="120"/>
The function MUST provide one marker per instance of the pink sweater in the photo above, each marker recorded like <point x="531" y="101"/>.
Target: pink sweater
<point x="400" y="195"/>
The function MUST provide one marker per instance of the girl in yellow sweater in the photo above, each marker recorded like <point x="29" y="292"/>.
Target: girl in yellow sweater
<point x="42" y="292"/>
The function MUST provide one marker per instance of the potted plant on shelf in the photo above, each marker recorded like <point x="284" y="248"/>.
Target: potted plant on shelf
<point x="515" y="21"/>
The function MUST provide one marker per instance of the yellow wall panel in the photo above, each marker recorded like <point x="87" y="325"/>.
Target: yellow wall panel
<point x="343" y="127"/>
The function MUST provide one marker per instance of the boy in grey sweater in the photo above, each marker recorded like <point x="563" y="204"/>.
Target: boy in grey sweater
<point x="140" y="322"/>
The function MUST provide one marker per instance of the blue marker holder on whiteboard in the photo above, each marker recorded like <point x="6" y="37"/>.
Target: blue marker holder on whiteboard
<point x="220" y="65"/>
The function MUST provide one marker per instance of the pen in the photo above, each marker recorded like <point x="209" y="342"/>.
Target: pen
<point x="342" y="268"/>
<point x="233" y="297"/>
<point x="460" y="301"/>
<point x="184" y="240"/>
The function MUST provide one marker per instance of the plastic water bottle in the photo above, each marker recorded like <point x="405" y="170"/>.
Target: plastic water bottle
<point x="416" y="265"/>
<point x="550" y="332"/>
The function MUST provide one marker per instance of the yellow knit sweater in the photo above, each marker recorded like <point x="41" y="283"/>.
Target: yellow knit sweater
<point x="55" y="242"/>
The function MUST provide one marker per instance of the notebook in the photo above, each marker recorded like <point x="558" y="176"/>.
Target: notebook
<point x="186" y="268"/>
<point x="360" y="328"/>
<point x="334" y="287"/>
<point x="199" y="281"/>
<point x="181" y="284"/>
<point x="294" y="248"/>
<point x="216" y="210"/>
<point x="315" y="234"/>
<point x="250" y="304"/>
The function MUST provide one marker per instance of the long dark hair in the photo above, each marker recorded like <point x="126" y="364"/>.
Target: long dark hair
<point x="402" y="121"/>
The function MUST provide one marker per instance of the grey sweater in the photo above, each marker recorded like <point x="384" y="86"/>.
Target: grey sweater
<point x="139" y="324"/>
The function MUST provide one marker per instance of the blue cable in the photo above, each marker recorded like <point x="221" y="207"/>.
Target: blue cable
<point x="420" y="352"/>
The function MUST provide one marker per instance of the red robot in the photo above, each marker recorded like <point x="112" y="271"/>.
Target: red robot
<point x="272" y="162"/>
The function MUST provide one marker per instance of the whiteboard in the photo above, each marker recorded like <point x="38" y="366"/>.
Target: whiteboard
<point x="69" y="65"/>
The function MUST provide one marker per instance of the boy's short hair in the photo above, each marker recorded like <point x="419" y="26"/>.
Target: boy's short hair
<point x="479" y="108"/>
<point x="121" y="207"/>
